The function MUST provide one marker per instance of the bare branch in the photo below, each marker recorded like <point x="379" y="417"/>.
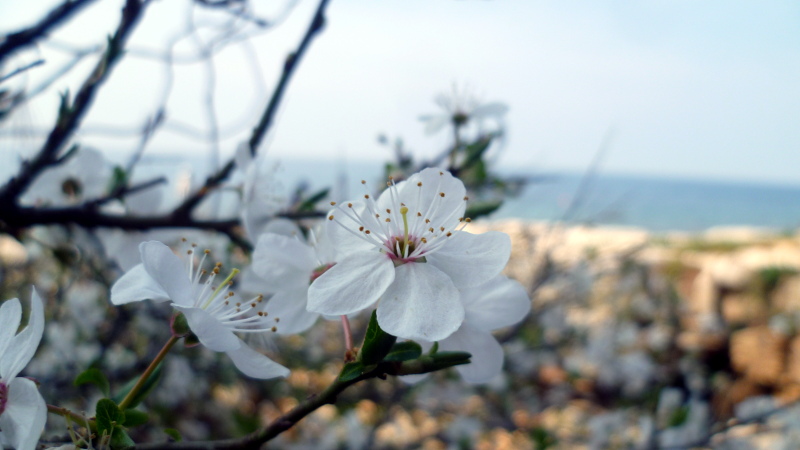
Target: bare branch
<point x="19" y="70"/>
<point x="71" y="114"/>
<point x="54" y="18"/>
<point x="265" y="123"/>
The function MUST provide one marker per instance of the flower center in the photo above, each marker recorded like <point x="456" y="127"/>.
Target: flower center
<point x="424" y="230"/>
<point x="3" y="397"/>
<point x="316" y="273"/>
<point x="247" y="316"/>
<point x="71" y="187"/>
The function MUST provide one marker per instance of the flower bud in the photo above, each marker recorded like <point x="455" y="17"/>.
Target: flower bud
<point x="179" y="325"/>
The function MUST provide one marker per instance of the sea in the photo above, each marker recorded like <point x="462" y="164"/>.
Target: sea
<point x="654" y="203"/>
<point x="657" y="204"/>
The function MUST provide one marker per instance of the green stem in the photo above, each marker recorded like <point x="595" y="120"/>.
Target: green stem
<point x="123" y="405"/>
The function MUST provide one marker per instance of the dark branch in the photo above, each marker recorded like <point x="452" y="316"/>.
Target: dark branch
<point x="88" y="216"/>
<point x="70" y="116"/>
<point x="265" y="122"/>
<point x="298" y="413"/>
<point x="288" y="69"/>
<point x="124" y="191"/>
<point x="23" y="38"/>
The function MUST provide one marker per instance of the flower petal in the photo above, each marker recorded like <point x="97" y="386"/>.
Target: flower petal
<point x="10" y="316"/>
<point x="254" y="364"/>
<point x="136" y="285"/>
<point x="498" y="303"/>
<point x="344" y="233"/>
<point x="354" y="283"/>
<point x="209" y="330"/>
<point x="290" y="306"/>
<point x="487" y="354"/>
<point x="422" y="303"/>
<point x="494" y="109"/>
<point x="283" y="261"/>
<point x="168" y="270"/>
<point x="472" y="259"/>
<point x="427" y="200"/>
<point x="284" y="227"/>
<point x="415" y="378"/>
<point x="24" y="344"/>
<point x="434" y="123"/>
<point x="25" y="415"/>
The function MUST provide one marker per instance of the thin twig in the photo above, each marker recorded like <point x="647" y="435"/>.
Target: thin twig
<point x="19" y="70"/>
<point x="265" y="122"/>
<point x="298" y="413"/>
<point x="71" y="114"/>
<point x="54" y="18"/>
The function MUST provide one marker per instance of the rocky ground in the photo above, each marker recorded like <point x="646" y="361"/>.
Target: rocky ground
<point x="636" y="340"/>
<point x="663" y="340"/>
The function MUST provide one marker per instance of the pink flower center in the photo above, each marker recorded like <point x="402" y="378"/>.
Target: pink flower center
<point x="320" y="270"/>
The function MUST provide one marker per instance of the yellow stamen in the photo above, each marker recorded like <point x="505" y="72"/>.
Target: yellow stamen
<point x="404" y="213"/>
<point x="222" y="285"/>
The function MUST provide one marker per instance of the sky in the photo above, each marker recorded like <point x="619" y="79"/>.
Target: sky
<point x="681" y="88"/>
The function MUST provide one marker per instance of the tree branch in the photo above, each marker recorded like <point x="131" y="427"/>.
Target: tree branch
<point x="265" y="122"/>
<point x="70" y="116"/>
<point x="298" y="413"/>
<point x="23" y="38"/>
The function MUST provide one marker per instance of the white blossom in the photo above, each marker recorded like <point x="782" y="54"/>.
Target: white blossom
<point x="459" y="109"/>
<point x="286" y="263"/>
<point x="499" y="303"/>
<point x="84" y="176"/>
<point x="23" y="411"/>
<point x="210" y="307"/>
<point x="262" y="194"/>
<point x="409" y="249"/>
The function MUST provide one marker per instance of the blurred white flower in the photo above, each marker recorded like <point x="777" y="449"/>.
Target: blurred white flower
<point x="210" y="309"/>
<point x="499" y="303"/>
<point x="461" y="108"/>
<point x="82" y="177"/>
<point x="23" y="411"/>
<point x="409" y="250"/>
<point x="286" y="264"/>
<point x="262" y="193"/>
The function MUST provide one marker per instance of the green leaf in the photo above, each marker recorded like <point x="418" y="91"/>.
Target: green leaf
<point x="404" y="351"/>
<point x="64" y="110"/>
<point x="95" y="377"/>
<point x="351" y="371"/>
<point x="108" y="416"/>
<point x="455" y="357"/>
<point x="308" y="204"/>
<point x="119" y="179"/>
<point x="151" y="382"/>
<point x="120" y="439"/>
<point x="434" y="349"/>
<point x="174" y="434"/>
<point x="134" y="418"/>
<point x="377" y="342"/>
<point x="476" y="150"/>
<point x="72" y="151"/>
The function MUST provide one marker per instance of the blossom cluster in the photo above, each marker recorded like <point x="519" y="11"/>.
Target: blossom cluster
<point x="405" y="253"/>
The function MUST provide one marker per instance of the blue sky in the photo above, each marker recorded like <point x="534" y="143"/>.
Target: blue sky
<point x="691" y="89"/>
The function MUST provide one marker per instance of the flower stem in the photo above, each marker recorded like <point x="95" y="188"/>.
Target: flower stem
<point x="348" y="335"/>
<point x="64" y="412"/>
<point x="143" y="379"/>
